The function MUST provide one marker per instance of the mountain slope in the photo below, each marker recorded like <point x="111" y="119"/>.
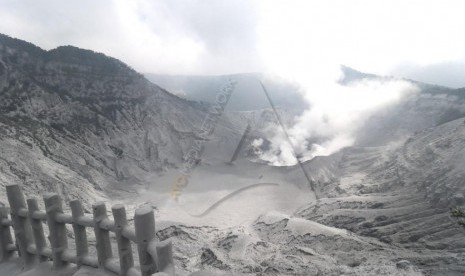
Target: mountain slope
<point x="90" y="114"/>
<point x="400" y="194"/>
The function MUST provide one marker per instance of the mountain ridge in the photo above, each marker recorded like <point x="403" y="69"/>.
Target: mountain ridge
<point x="99" y="111"/>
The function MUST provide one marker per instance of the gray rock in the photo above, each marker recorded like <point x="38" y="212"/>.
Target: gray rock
<point x="403" y="264"/>
<point x="459" y="199"/>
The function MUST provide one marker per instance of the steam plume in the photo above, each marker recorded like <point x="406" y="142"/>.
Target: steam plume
<point x="335" y="113"/>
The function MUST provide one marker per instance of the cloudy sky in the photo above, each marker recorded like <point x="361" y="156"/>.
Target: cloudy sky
<point x="419" y="39"/>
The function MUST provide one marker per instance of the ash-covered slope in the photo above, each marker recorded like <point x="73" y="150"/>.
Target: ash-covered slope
<point x="393" y="200"/>
<point x="278" y="244"/>
<point x="80" y="122"/>
<point x="400" y="195"/>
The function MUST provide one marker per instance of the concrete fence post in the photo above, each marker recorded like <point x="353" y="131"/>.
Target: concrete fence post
<point x="102" y="236"/>
<point x="165" y="257"/>
<point x="27" y="222"/>
<point x="37" y="229"/>
<point x="6" y="239"/>
<point x="58" y="238"/>
<point x="80" y="235"/>
<point x="126" y="260"/>
<point x="21" y="224"/>
<point x="144" y="223"/>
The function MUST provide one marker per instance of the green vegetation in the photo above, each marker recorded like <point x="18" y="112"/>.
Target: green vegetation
<point x="20" y="45"/>
<point x="68" y="56"/>
<point x="459" y="214"/>
<point x="74" y="55"/>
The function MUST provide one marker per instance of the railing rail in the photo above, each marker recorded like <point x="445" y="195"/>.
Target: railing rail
<point x="155" y="257"/>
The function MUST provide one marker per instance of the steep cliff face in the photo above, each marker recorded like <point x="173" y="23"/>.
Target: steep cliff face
<point x="77" y="117"/>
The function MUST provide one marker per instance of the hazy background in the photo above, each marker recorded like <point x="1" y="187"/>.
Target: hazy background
<point x="408" y="38"/>
<point x="302" y="42"/>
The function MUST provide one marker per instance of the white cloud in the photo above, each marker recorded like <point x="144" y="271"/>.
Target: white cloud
<point x="372" y="36"/>
<point x="216" y="37"/>
<point x="177" y="37"/>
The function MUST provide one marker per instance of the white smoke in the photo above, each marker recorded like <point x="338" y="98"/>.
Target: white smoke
<point x="334" y="115"/>
<point x="305" y="42"/>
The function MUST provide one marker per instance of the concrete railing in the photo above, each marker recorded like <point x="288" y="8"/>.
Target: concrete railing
<point x="155" y="257"/>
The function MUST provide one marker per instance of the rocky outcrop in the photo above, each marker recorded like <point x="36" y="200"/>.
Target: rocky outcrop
<point x="401" y="195"/>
